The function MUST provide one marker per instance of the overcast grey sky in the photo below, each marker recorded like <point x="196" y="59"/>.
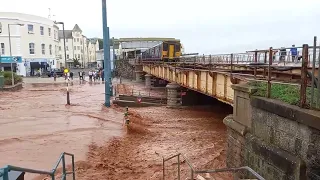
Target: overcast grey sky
<point x="204" y="26"/>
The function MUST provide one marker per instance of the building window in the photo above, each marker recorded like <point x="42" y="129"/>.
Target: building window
<point x="52" y="62"/>
<point x="43" y="49"/>
<point x="67" y="49"/>
<point x="50" y="49"/>
<point x="55" y="34"/>
<point x="78" y="56"/>
<point x="67" y="56"/>
<point x="59" y="48"/>
<point x="30" y="28"/>
<point x="31" y="48"/>
<point x="78" y="47"/>
<point x="75" y="47"/>
<point x="66" y="40"/>
<point x="77" y="39"/>
<point x="2" y="48"/>
<point x="81" y="41"/>
<point x="74" y="40"/>
<point x="41" y="30"/>
<point x="49" y="31"/>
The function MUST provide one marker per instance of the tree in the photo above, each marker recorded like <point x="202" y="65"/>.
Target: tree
<point x="101" y="43"/>
<point x="76" y="62"/>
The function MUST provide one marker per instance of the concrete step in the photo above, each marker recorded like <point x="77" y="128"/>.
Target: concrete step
<point x="123" y="103"/>
<point x="143" y="99"/>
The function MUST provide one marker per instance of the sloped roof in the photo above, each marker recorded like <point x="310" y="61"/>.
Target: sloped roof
<point x="68" y="34"/>
<point x="77" y="28"/>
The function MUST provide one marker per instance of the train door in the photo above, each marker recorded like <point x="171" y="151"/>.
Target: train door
<point x="171" y="51"/>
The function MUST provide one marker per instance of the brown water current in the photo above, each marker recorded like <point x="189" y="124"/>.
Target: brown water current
<point x="36" y="126"/>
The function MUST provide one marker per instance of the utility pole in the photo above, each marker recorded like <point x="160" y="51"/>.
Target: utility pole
<point x="64" y="43"/>
<point x="106" y="52"/>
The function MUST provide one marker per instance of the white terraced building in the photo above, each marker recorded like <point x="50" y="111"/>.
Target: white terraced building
<point x="34" y="42"/>
<point x="37" y="43"/>
<point x="78" y="47"/>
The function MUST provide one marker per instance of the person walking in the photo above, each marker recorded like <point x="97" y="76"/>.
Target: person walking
<point x="94" y="74"/>
<point x="294" y="53"/>
<point x="90" y="76"/>
<point x="80" y="75"/>
<point x="102" y="75"/>
<point x="54" y="76"/>
<point x="71" y="75"/>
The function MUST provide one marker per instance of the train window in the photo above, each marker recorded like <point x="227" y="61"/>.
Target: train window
<point x="177" y="47"/>
<point x="165" y="47"/>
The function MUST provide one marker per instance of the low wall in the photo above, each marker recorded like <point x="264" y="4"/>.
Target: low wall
<point x="15" y="87"/>
<point x="131" y="101"/>
<point x="277" y="140"/>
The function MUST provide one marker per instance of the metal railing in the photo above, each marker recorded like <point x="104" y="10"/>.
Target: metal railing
<point x="4" y="172"/>
<point x="315" y="81"/>
<point x="194" y="171"/>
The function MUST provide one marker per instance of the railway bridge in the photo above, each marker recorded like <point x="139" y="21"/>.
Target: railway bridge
<point x="213" y="78"/>
<point x="277" y="140"/>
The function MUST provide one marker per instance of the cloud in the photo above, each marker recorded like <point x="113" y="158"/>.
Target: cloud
<point x="204" y="26"/>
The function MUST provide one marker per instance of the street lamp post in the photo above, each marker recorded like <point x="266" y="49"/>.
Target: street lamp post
<point x="64" y="42"/>
<point x="12" y="77"/>
<point x="106" y="52"/>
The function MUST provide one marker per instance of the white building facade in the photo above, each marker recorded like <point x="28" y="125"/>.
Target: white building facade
<point x="80" y="51"/>
<point x="34" y="43"/>
<point x="100" y="58"/>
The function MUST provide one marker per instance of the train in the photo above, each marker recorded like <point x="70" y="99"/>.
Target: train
<point x="167" y="51"/>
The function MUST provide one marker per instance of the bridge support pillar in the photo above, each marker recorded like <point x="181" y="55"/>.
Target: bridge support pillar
<point x="148" y="80"/>
<point x="139" y="75"/>
<point x="173" y="99"/>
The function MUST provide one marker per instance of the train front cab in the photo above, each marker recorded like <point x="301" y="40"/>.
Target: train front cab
<point x="171" y="51"/>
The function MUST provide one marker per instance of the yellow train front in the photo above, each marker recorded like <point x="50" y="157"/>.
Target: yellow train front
<point x="167" y="51"/>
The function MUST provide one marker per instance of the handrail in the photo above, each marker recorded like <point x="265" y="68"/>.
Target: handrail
<point x="4" y="172"/>
<point x="193" y="171"/>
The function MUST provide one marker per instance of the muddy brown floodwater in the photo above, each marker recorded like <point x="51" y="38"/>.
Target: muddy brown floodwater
<point x="36" y="127"/>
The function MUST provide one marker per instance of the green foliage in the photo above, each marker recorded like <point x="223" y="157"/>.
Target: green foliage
<point x="283" y="92"/>
<point x="110" y="41"/>
<point x="76" y="62"/>
<point x="7" y="77"/>
<point x="100" y="44"/>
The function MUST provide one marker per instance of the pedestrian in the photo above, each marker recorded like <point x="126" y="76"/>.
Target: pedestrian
<point x="71" y="75"/>
<point x="90" y="76"/>
<point x="294" y="53"/>
<point x="283" y="54"/>
<point x="80" y="75"/>
<point x="102" y="75"/>
<point x="83" y="75"/>
<point x="54" y="76"/>
<point x="94" y="75"/>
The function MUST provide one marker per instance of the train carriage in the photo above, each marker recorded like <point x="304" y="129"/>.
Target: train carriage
<point x="165" y="51"/>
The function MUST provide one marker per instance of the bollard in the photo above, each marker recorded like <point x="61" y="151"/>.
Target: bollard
<point x="68" y="94"/>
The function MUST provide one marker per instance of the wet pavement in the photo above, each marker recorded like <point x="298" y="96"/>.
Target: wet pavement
<point x="37" y="126"/>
